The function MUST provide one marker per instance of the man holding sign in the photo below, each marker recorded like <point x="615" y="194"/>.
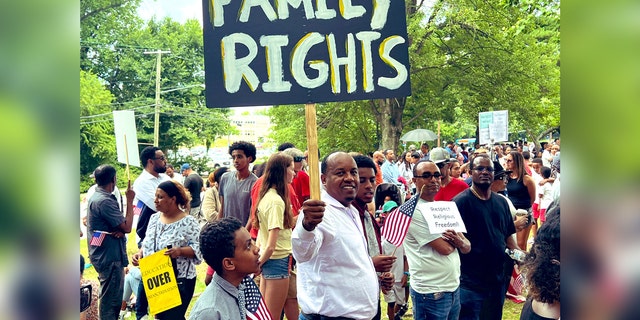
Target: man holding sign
<point x="434" y="263"/>
<point x="106" y="241"/>
<point x="489" y="226"/>
<point x="336" y="276"/>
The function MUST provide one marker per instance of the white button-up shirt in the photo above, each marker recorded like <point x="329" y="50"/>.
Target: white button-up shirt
<point x="145" y="187"/>
<point x="336" y="277"/>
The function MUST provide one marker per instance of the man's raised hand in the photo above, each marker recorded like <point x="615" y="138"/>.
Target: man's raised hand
<point x="313" y="211"/>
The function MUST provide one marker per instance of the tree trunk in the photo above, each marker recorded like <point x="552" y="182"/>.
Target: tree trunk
<point x="537" y="139"/>
<point x="388" y="114"/>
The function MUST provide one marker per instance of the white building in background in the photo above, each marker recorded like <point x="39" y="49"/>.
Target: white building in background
<point x="252" y="128"/>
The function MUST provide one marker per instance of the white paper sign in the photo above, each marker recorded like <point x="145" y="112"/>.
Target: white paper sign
<point x="442" y="216"/>
<point x="124" y="124"/>
<point x="493" y="125"/>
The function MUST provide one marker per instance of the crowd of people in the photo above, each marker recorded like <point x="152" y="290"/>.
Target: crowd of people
<point x="327" y="258"/>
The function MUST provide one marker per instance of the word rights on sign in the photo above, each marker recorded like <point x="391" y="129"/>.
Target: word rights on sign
<point x="261" y="52"/>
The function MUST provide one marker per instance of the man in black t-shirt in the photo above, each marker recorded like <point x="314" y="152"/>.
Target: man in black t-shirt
<point x="490" y="229"/>
<point x="193" y="183"/>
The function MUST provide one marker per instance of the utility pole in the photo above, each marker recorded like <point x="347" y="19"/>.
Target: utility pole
<point x="156" y="120"/>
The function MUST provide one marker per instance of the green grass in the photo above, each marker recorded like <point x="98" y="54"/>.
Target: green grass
<point x="132" y="248"/>
<point x="511" y="311"/>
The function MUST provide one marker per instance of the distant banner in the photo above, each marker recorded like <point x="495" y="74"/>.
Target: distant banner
<point x="493" y="126"/>
<point x="261" y="52"/>
<point x="160" y="282"/>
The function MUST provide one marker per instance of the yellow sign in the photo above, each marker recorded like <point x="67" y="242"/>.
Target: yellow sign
<point x="159" y="282"/>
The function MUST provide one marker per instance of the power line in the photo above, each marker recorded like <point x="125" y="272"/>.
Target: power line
<point x="109" y="113"/>
<point x="109" y="120"/>
<point x="110" y="104"/>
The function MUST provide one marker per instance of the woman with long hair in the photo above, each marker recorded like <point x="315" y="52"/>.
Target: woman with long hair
<point x="542" y="269"/>
<point x="521" y="190"/>
<point x="173" y="226"/>
<point x="274" y="221"/>
<point x="406" y="171"/>
<point x="454" y="169"/>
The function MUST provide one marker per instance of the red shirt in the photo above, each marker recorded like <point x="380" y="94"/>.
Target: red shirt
<point x="448" y="192"/>
<point x="379" y="179"/>
<point x="301" y="186"/>
<point x="255" y="192"/>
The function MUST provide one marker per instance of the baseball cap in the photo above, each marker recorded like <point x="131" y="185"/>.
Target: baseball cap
<point x="438" y="155"/>
<point x="389" y="205"/>
<point x="499" y="170"/>
<point x="184" y="167"/>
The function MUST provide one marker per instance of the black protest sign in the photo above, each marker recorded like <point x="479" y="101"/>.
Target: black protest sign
<point x="260" y="52"/>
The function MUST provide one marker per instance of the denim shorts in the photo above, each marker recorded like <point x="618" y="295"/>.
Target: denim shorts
<point x="276" y="268"/>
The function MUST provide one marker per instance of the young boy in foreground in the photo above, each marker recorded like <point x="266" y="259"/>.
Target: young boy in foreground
<point x="227" y="247"/>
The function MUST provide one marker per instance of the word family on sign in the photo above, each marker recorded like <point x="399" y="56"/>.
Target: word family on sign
<point x="347" y="10"/>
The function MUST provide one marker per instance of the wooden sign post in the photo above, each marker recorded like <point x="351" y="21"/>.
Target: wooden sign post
<point x="312" y="145"/>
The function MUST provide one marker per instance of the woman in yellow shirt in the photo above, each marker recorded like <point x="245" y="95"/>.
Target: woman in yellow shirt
<point x="274" y="221"/>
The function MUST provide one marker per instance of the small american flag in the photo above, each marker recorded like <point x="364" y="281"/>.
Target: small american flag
<point x="137" y="210"/>
<point x="256" y="307"/>
<point x="97" y="238"/>
<point x="516" y="286"/>
<point x="518" y="283"/>
<point x="397" y="223"/>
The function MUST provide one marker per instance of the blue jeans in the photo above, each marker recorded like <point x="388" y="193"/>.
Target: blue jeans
<point x="481" y="305"/>
<point x="276" y="269"/>
<point x="441" y="305"/>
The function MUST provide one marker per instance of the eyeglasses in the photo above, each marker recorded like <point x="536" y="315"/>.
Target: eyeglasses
<point x="480" y="169"/>
<point x="429" y="175"/>
<point x="159" y="158"/>
<point x="299" y="159"/>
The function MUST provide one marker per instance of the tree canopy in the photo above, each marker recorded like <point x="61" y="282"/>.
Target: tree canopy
<point x="116" y="50"/>
<point x="466" y="57"/>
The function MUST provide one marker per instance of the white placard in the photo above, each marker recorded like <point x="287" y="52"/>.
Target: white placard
<point x="124" y="124"/>
<point x="500" y="130"/>
<point x="493" y="125"/>
<point x="442" y="216"/>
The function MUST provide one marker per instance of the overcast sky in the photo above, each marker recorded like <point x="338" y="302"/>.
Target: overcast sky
<point x="179" y="10"/>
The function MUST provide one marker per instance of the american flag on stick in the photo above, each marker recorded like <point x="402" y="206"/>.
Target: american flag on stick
<point x="397" y="224"/>
<point x="137" y="210"/>
<point x="98" y="238"/>
<point x="256" y="307"/>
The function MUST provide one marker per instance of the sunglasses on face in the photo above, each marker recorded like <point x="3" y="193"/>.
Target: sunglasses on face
<point x="298" y="159"/>
<point x="480" y="169"/>
<point x="429" y="175"/>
